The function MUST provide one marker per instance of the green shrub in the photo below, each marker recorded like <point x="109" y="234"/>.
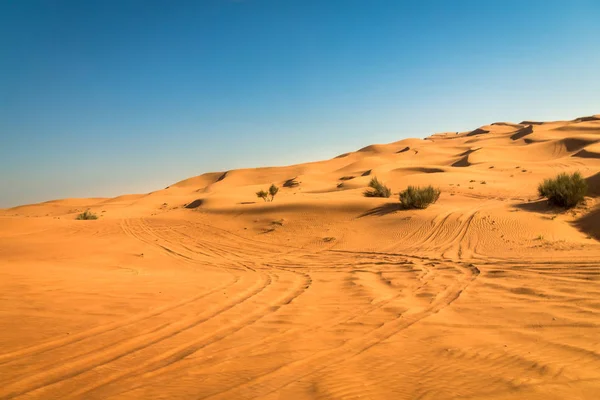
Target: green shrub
<point x="565" y="190"/>
<point x="273" y="191"/>
<point x="262" y="195"/>
<point x="378" y="189"/>
<point x="87" y="214"/>
<point x="417" y="197"/>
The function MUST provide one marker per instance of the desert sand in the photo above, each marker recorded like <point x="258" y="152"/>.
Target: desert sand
<point x="203" y="291"/>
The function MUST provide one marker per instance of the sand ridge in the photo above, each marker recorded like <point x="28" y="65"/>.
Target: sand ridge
<point x="201" y="290"/>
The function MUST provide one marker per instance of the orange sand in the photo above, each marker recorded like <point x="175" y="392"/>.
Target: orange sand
<point x="323" y="293"/>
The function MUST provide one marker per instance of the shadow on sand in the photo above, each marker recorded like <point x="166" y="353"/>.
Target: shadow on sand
<point x="590" y="224"/>
<point x="382" y="210"/>
<point x="539" y="206"/>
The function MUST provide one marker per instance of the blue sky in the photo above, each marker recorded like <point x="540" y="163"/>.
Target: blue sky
<point x="100" y="98"/>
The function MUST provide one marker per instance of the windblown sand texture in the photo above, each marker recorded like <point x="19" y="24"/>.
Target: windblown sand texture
<point x="203" y="291"/>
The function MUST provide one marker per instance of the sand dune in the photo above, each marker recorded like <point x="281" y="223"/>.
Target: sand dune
<point x="202" y="290"/>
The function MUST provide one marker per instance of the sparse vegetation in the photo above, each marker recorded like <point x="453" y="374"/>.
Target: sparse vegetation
<point x="483" y="182"/>
<point x="564" y="190"/>
<point x="273" y="191"/>
<point x="417" y="197"/>
<point x="261" y="194"/>
<point x="265" y="195"/>
<point x="346" y="178"/>
<point x="290" y="183"/>
<point x="86" y="215"/>
<point x="378" y="189"/>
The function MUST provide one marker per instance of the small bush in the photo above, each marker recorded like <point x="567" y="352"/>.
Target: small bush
<point x="87" y="214"/>
<point x="262" y="195"/>
<point x="417" y="197"/>
<point x="378" y="189"/>
<point x="273" y="191"/>
<point x="290" y="183"/>
<point x="565" y="190"/>
<point x="265" y="195"/>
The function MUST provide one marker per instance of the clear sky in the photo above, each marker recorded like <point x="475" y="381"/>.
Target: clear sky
<point x="100" y="98"/>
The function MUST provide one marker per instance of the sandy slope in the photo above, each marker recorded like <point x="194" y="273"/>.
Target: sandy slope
<point x="322" y="294"/>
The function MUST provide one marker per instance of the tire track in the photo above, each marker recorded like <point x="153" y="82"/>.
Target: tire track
<point x="189" y="348"/>
<point x="282" y="376"/>
<point x="60" y="373"/>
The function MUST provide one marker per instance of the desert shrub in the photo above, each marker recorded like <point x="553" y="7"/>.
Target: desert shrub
<point x="419" y="197"/>
<point x="273" y="191"/>
<point x="378" y="189"/>
<point x="87" y="214"/>
<point x="290" y="183"/>
<point x="564" y="190"/>
<point x="262" y="195"/>
<point x="265" y="195"/>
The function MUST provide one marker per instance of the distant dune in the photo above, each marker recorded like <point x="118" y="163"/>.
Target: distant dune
<point x="203" y="290"/>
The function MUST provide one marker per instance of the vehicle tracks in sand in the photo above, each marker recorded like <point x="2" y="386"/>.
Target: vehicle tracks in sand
<point x="265" y="284"/>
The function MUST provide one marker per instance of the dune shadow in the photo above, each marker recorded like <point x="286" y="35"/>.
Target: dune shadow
<point x="382" y="210"/>
<point x="587" y="119"/>
<point x="583" y="153"/>
<point x="590" y="224"/>
<point x="462" y="162"/>
<point x="466" y="153"/>
<point x="540" y="206"/>
<point x="521" y="133"/>
<point x="594" y="184"/>
<point x="195" y="204"/>
<point x="223" y="176"/>
<point x="478" y="131"/>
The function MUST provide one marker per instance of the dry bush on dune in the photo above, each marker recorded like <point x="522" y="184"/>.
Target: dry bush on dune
<point x="290" y="183"/>
<point x="417" y="197"/>
<point x="378" y="189"/>
<point x="87" y="214"/>
<point x="273" y="191"/>
<point x="262" y="195"/>
<point x="565" y="190"/>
